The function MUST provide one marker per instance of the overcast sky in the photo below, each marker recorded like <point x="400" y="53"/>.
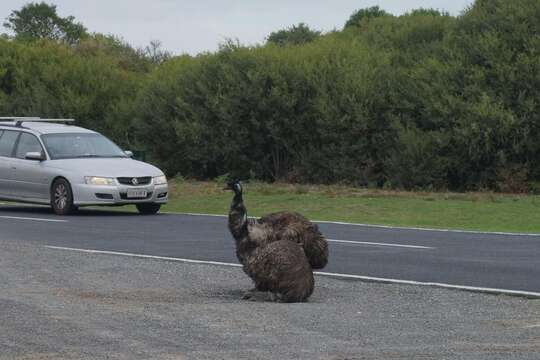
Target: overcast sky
<point x="193" y="26"/>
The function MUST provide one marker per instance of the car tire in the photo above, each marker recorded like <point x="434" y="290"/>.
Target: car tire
<point x="62" y="197"/>
<point x="148" y="209"/>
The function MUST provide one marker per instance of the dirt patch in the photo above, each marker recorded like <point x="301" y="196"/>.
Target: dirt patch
<point x="134" y="296"/>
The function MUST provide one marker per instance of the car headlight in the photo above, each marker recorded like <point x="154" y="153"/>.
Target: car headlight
<point x="95" y="180"/>
<point x="160" y="180"/>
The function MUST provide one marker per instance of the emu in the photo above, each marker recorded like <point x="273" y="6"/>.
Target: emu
<point x="290" y="226"/>
<point x="275" y="265"/>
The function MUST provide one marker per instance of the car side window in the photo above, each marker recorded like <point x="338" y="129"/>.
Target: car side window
<point x="27" y="143"/>
<point x="7" y="142"/>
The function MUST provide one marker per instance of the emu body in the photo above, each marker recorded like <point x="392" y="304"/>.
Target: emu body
<point x="295" y="227"/>
<point x="281" y="268"/>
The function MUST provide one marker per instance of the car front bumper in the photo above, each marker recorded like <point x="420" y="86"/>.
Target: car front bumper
<point x="84" y="194"/>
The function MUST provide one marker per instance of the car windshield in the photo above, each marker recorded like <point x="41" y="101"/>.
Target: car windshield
<point x="80" y="145"/>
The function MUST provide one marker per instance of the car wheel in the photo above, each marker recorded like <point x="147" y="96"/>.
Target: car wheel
<point x="148" y="209"/>
<point x="62" y="198"/>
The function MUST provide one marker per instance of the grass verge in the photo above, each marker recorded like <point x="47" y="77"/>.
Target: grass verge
<point x="466" y="211"/>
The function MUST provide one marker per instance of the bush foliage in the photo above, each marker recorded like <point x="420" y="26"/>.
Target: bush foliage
<point x="422" y="100"/>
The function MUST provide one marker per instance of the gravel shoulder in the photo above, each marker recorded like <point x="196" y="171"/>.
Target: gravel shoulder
<point x="64" y="305"/>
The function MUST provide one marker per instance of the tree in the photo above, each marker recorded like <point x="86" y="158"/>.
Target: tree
<point x="155" y="53"/>
<point x="127" y="57"/>
<point x="368" y="13"/>
<point x="41" y="21"/>
<point x="428" y="12"/>
<point x="294" y="35"/>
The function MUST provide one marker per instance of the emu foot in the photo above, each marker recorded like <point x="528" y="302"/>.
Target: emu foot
<point x="248" y="295"/>
<point x="276" y="297"/>
<point x="255" y="295"/>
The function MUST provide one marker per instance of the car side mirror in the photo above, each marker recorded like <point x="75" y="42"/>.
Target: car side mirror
<point x="129" y="153"/>
<point x="38" y="156"/>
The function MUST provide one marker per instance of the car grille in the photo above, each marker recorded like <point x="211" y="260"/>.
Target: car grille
<point x="123" y="196"/>
<point x="129" y="180"/>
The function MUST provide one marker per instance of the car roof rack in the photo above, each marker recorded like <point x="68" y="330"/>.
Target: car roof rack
<point x="14" y="118"/>
<point x="20" y="120"/>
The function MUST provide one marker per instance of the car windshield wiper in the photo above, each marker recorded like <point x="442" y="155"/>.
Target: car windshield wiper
<point x="89" y="156"/>
<point x="102" y="156"/>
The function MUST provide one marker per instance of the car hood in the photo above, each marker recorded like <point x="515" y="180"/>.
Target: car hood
<point x="114" y="167"/>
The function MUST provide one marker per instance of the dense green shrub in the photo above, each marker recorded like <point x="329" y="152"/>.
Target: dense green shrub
<point x="299" y="114"/>
<point x="423" y="100"/>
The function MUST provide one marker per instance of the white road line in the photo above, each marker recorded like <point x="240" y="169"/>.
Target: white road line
<point x="495" y="291"/>
<point x="380" y="244"/>
<point x="383" y="226"/>
<point x="142" y="256"/>
<point x="31" y="218"/>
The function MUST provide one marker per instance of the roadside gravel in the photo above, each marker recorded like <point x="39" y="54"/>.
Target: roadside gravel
<point x="65" y="305"/>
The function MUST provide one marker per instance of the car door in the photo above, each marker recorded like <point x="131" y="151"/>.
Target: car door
<point x="8" y="139"/>
<point x="30" y="176"/>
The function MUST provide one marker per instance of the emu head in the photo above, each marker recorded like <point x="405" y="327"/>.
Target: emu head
<point x="234" y="186"/>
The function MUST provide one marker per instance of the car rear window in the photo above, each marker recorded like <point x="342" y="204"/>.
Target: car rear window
<point x="27" y="143"/>
<point x="7" y="142"/>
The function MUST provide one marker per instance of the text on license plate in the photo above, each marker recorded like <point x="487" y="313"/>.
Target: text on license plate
<point x="136" y="193"/>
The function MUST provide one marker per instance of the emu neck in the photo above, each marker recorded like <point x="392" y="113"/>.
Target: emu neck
<point x="238" y="218"/>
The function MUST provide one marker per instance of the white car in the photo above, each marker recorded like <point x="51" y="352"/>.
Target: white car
<point x="67" y="166"/>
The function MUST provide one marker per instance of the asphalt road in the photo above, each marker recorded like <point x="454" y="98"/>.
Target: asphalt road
<point x="480" y="260"/>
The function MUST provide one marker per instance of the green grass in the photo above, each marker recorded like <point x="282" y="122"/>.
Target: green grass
<point x="469" y="211"/>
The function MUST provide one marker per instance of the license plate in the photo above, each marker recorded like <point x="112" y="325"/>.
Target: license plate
<point x="136" y="193"/>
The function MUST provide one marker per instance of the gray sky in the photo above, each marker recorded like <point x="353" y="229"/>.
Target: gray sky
<point x="194" y="26"/>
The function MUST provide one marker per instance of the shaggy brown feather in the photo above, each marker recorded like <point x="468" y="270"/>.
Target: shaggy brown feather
<point x="295" y="227"/>
<point x="281" y="268"/>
